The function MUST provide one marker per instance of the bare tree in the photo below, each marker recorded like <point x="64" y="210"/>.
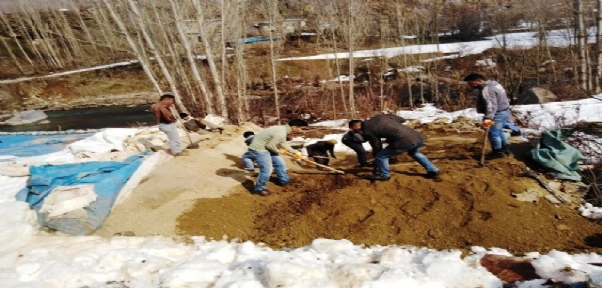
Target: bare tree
<point x="581" y="44"/>
<point x="149" y="41"/>
<point x="271" y="7"/>
<point x="598" y="70"/>
<point x="209" y="53"/>
<point x="191" y="58"/>
<point x="132" y="43"/>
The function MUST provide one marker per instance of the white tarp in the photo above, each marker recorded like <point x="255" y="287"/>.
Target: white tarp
<point x="65" y="199"/>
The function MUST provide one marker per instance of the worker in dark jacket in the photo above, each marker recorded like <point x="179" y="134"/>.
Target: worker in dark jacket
<point x="400" y="138"/>
<point x="319" y="151"/>
<point x="354" y="140"/>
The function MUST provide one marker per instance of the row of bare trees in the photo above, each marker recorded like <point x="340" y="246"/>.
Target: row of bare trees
<point x="181" y="44"/>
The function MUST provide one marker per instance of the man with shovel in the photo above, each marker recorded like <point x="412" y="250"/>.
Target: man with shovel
<point x="264" y="151"/>
<point x="400" y="139"/>
<point x="320" y="150"/>
<point x="493" y="102"/>
<point x="167" y="123"/>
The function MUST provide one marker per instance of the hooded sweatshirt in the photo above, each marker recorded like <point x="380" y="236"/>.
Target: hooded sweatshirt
<point x="492" y="98"/>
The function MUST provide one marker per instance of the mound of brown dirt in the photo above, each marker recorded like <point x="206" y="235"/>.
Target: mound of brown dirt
<point x="208" y="194"/>
<point x="470" y="206"/>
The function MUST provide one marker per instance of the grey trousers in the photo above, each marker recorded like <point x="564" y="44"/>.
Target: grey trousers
<point x="174" y="137"/>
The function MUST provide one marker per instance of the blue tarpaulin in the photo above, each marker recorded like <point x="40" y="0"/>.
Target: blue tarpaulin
<point x="33" y="145"/>
<point x="108" y="177"/>
<point x="256" y="39"/>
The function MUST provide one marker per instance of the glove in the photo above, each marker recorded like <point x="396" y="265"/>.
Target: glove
<point x="282" y="150"/>
<point x="487" y="123"/>
<point x="298" y="155"/>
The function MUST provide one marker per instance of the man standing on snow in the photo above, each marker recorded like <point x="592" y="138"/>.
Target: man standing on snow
<point x="167" y="123"/>
<point x="264" y="151"/>
<point x="400" y="138"/>
<point x="493" y="102"/>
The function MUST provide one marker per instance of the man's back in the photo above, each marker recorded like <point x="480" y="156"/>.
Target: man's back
<point x="390" y="127"/>
<point x="262" y="140"/>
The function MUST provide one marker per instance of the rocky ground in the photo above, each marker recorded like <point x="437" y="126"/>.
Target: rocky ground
<point x="208" y="194"/>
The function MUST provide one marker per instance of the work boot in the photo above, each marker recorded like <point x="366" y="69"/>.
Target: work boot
<point x="495" y="154"/>
<point x="506" y="150"/>
<point x="262" y="193"/>
<point x="283" y="184"/>
<point x="377" y="178"/>
<point x="433" y="174"/>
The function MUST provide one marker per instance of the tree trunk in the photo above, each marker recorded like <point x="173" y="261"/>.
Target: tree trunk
<point x="270" y="10"/>
<point x="151" y="45"/>
<point x="196" y="75"/>
<point x="351" y="43"/>
<point x="598" y="74"/>
<point x="12" y="55"/>
<point x="208" y="51"/>
<point x="581" y="45"/>
<point x="338" y="77"/>
<point x="14" y="36"/>
<point x="143" y="61"/>
<point x="38" y="55"/>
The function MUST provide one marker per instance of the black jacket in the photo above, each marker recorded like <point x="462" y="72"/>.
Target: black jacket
<point x="353" y="137"/>
<point x="320" y="148"/>
<point x="391" y="128"/>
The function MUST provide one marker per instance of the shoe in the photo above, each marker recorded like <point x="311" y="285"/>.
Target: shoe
<point x="286" y="183"/>
<point x="433" y="174"/>
<point x="366" y="165"/>
<point x="377" y="178"/>
<point x="262" y="193"/>
<point x="506" y="151"/>
<point x="495" y="154"/>
<point x="183" y="153"/>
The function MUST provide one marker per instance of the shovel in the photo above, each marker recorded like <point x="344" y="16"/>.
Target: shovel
<point x="317" y="164"/>
<point x="485" y="138"/>
<point x="175" y="114"/>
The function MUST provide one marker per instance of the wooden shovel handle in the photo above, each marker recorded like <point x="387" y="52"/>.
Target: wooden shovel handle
<point x="485" y="140"/>
<point x="317" y="164"/>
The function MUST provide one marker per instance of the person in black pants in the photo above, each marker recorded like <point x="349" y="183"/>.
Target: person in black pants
<point x="319" y="151"/>
<point x="354" y="140"/>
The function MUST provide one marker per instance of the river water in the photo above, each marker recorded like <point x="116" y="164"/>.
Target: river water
<point x="90" y="118"/>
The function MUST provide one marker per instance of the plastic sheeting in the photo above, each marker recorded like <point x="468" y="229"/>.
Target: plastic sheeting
<point x="34" y="145"/>
<point x="558" y="157"/>
<point x="108" y="178"/>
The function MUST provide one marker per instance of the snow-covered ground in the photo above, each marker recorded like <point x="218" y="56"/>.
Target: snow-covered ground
<point x="523" y="40"/>
<point x="33" y="258"/>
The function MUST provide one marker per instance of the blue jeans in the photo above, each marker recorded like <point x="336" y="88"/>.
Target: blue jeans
<point x="265" y="161"/>
<point x="382" y="159"/>
<point x="497" y="138"/>
<point x="247" y="161"/>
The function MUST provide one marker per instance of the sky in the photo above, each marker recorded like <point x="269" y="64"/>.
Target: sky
<point x="30" y="257"/>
